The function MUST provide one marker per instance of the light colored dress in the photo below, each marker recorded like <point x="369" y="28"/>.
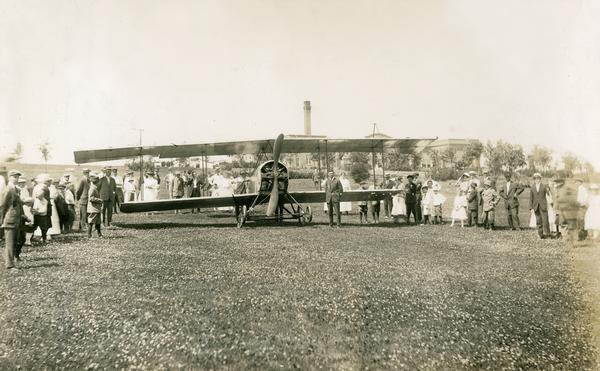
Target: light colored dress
<point x="345" y="206"/>
<point x="592" y="215"/>
<point x="399" y="205"/>
<point x="55" y="230"/>
<point x="459" y="211"/>
<point x="151" y="187"/>
<point x="222" y="187"/>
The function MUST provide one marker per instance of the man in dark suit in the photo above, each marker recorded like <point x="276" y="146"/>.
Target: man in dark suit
<point x="418" y="198"/>
<point x="82" y="196"/>
<point x="107" y="188"/>
<point x="410" y="198"/>
<point x="12" y="211"/>
<point x="333" y="194"/>
<point x="510" y="193"/>
<point x="539" y="205"/>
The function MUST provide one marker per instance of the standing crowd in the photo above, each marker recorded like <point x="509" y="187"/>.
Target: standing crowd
<point x="555" y="208"/>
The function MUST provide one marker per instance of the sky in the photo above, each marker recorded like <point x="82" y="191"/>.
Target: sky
<point x="88" y="74"/>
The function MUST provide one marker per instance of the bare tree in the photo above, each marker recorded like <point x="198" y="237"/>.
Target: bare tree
<point x="45" y="150"/>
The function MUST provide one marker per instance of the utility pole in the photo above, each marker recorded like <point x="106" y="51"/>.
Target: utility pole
<point x="141" y="166"/>
<point x="373" y="154"/>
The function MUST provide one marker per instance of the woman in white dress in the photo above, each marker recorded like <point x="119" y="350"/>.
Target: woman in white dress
<point x="150" y="187"/>
<point x="592" y="215"/>
<point x="55" y="229"/>
<point x="345" y="207"/>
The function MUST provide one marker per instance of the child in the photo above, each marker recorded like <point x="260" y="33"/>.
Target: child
<point x="459" y="212"/>
<point x="28" y="225"/>
<point x="130" y="189"/>
<point x="363" y="206"/>
<point x="40" y="215"/>
<point x="70" y="200"/>
<point x="592" y="215"/>
<point x="94" y="208"/>
<point x="398" y="204"/>
<point x="375" y="207"/>
<point x="426" y="203"/>
<point x="437" y="201"/>
<point x="489" y="200"/>
<point x="473" y="201"/>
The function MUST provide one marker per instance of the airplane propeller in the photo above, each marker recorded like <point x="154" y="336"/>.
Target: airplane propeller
<point x="274" y="199"/>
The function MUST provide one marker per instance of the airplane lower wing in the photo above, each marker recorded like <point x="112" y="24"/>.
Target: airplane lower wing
<point x="348" y="196"/>
<point x="246" y="199"/>
<point x="188" y="203"/>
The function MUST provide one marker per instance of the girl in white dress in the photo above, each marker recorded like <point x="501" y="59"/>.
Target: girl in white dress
<point x="398" y="204"/>
<point x="459" y="211"/>
<point x="592" y="215"/>
<point x="150" y="187"/>
<point x="345" y="207"/>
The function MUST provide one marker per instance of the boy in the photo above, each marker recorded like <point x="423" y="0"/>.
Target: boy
<point x="426" y="203"/>
<point x="94" y="208"/>
<point x="438" y="201"/>
<point x="473" y="201"/>
<point x="489" y="200"/>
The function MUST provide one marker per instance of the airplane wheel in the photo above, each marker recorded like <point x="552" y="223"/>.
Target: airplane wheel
<point x="241" y="218"/>
<point x="308" y="214"/>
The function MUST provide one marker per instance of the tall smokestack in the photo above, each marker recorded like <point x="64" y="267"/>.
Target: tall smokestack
<point x="307" y="117"/>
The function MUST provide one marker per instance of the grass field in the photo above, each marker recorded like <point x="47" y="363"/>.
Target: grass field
<point x="192" y="291"/>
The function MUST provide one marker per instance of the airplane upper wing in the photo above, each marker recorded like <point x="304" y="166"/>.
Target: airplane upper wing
<point x="187" y="203"/>
<point x="291" y="145"/>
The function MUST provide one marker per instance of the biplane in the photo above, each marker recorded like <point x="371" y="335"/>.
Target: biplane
<point x="269" y="181"/>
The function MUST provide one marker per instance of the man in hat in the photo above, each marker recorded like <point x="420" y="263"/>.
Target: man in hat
<point x="118" y="189"/>
<point x="81" y="194"/>
<point x="95" y="206"/>
<point x="582" y="201"/>
<point x="178" y="187"/>
<point x="410" y="198"/>
<point x="12" y="211"/>
<point x="539" y="204"/>
<point x="388" y="183"/>
<point x="333" y="194"/>
<point x="510" y="193"/>
<point x="107" y="188"/>
<point x="22" y="186"/>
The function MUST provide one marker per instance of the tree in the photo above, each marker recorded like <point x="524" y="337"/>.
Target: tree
<point x="472" y="154"/>
<point x="436" y="158"/>
<point x="359" y="167"/>
<point x="512" y="156"/>
<point x="134" y="164"/>
<point x="449" y="156"/>
<point x="540" y="158"/>
<point x="45" y="150"/>
<point x="493" y="156"/>
<point x="589" y="168"/>
<point x="571" y="163"/>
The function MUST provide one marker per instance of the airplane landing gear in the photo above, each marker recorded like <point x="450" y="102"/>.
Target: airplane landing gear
<point x="240" y="215"/>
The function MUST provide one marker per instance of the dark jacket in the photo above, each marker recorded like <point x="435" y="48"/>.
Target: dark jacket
<point x="473" y="199"/>
<point x="511" y="197"/>
<point x="538" y="199"/>
<point x="107" y="188"/>
<point x="411" y="193"/>
<point x="12" y="208"/>
<point x="333" y="190"/>
<point x="82" y="190"/>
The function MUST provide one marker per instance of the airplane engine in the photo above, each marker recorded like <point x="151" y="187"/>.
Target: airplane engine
<point x="266" y="177"/>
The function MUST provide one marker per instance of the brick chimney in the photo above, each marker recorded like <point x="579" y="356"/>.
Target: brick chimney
<point x="307" y="117"/>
